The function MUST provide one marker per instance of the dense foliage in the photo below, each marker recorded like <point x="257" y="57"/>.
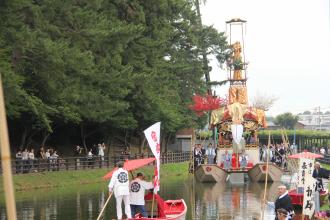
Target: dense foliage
<point x="81" y="71"/>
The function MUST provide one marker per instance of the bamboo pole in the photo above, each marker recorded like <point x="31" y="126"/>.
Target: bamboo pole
<point x="106" y="203"/>
<point x="192" y="151"/>
<point x="5" y="160"/>
<point x="266" y="180"/>
<point x="152" y="205"/>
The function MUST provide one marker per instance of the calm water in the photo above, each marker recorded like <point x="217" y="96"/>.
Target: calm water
<point x="209" y="201"/>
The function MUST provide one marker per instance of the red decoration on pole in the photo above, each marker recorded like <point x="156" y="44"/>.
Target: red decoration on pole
<point x="202" y="104"/>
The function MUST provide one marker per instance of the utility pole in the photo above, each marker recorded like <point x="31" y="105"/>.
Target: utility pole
<point x="319" y="118"/>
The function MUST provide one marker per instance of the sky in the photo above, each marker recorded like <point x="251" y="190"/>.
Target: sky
<point x="287" y="45"/>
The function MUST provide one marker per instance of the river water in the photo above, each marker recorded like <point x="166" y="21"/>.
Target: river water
<point x="204" y="201"/>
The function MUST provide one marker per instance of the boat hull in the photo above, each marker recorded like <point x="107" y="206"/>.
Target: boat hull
<point x="210" y="173"/>
<point x="258" y="173"/>
<point x="173" y="210"/>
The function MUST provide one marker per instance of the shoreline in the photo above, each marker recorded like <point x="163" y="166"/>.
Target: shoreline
<point x="55" y="179"/>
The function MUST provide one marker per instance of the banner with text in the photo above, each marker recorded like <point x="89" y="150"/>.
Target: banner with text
<point x="153" y="137"/>
<point x="307" y="167"/>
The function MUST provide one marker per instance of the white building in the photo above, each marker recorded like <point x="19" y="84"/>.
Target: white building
<point x="315" y="121"/>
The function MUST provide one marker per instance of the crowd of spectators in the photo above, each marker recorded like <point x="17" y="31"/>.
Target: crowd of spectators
<point x="26" y="160"/>
<point x="276" y="153"/>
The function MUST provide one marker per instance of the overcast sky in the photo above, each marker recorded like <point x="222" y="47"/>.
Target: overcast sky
<point x="287" y="47"/>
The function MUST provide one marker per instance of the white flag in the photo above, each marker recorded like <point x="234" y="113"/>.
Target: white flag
<point x="153" y="137"/>
<point x="237" y="132"/>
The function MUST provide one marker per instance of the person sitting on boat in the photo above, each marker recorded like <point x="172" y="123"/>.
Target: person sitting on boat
<point x="284" y="202"/>
<point x="243" y="159"/>
<point x="137" y="190"/>
<point x="210" y="152"/>
<point x="226" y="160"/>
<point x="120" y="186"/>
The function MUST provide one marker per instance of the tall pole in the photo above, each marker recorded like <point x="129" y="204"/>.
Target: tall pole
<point x="5" y="160"/>
<point x="266" y="180"/>
<point x="319" y="118"/>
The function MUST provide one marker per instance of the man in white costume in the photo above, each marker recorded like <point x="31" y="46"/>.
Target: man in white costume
<point x="137" y="190"/>
<point x="119" y="184"/>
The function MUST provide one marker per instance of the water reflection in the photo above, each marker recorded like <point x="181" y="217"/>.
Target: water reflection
<point x="204" y="201"/>
<point x="226" y="201"/>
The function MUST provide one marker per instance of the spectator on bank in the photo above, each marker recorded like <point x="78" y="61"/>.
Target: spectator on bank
<point x="322" y="150"/>
<point x="47" y="154"/>
<point x="101" y="149"/>
<point x="77" y="151"/>
<point x="25" y="158"/>
<point x="18" y="161"/>
<point x="41" y="153"/>
<point x="31" y="158"/>
<point x="90" y="157"/>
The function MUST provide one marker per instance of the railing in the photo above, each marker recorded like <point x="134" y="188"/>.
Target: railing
<point x="81" y="163"/>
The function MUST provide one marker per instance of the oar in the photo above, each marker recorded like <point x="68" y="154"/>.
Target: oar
<point x="106" y="203"/>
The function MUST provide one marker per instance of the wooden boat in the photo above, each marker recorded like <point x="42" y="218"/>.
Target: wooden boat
<point x="210" y="173"/>
<point x="169" y="209"/>
<point x="297" y="198"/>
<point x="258" y="172"/>
<point x="163" y="210"/>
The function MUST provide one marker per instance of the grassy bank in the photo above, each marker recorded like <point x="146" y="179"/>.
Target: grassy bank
<point x="80" y="177"/>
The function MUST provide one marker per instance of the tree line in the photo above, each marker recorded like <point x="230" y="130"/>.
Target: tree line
<point x="79" y="71"/>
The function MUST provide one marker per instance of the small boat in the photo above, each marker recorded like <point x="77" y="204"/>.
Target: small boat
<point x="163" y="210"/>
<point x="258" y="172"/>
<point x="297" y="198"/>
<point x="169" y="209"/>
<point x="210" y="173"/>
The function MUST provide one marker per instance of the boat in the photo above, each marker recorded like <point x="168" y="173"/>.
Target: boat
<point x="163" y="210"/>
<point x="210" y="173"/>
<point x="235" y="124"/>
<point x="258" y="172"/>
<point x="168" y="209"/>
<point x="297" y="198"/>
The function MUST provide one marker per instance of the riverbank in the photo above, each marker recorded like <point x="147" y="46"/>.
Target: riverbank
<point x="54" y="179"/>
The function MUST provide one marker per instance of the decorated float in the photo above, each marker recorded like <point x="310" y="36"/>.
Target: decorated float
<point x="235" y="124"/>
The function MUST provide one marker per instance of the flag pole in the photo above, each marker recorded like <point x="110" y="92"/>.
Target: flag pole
<point x="5" y="160"/>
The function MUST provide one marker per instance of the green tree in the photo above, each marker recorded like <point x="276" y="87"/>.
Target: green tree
<point x="286" y="120"/>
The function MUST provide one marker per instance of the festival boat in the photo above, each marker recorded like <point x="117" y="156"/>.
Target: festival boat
<point x="235" y="123"/>
<point x="210" y="173"/>
<point x="259" y="171"/>
<point x="168" y="209"/>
